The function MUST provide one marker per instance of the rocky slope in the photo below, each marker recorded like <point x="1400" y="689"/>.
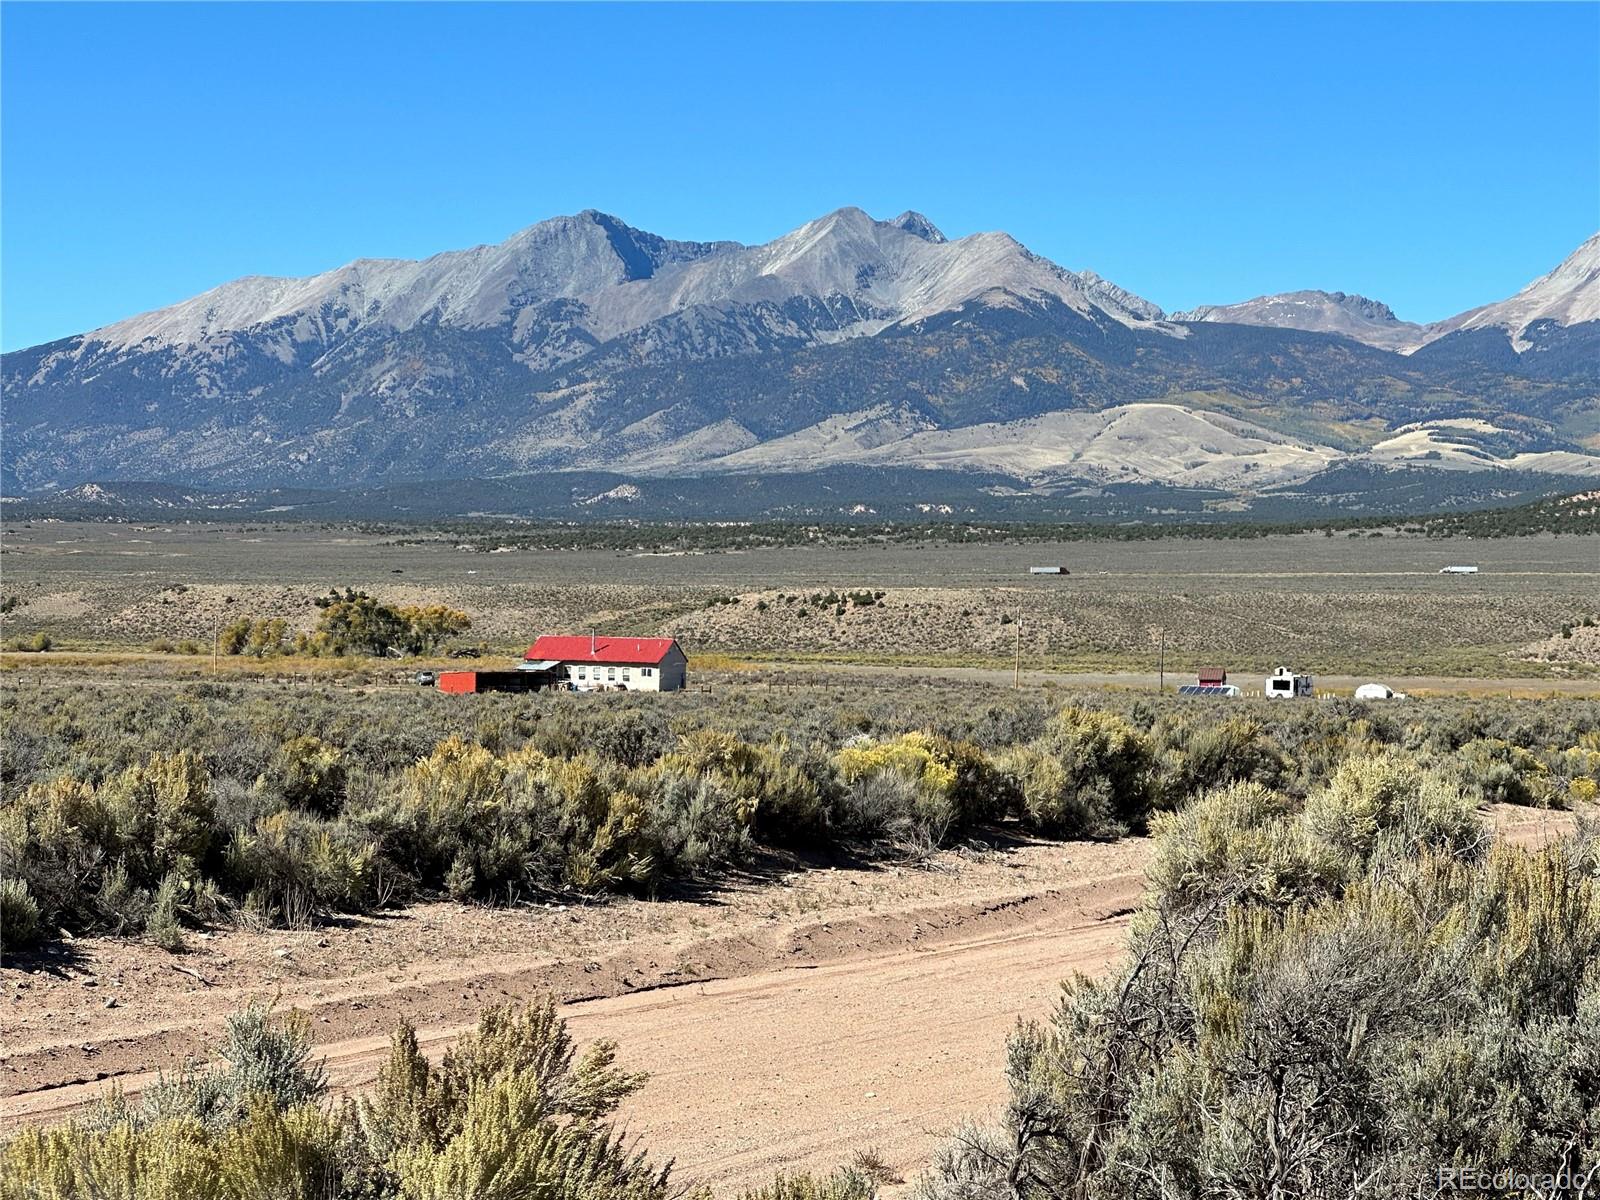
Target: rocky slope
<point x="1567" y="296"/>
<point x="581" y="343"/>
<point x="1348" y="316"/>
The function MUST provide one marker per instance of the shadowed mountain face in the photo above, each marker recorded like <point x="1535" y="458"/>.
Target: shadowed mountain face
<point x="581" y="343"/>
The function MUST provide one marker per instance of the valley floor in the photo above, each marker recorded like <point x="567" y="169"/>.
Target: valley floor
<point x="1327" y="605"/>
<point x="787" y="1021"/>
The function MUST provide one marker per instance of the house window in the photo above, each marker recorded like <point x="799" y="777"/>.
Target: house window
<point x="627" y="673"/>
<point x="611" y="672"/>
<point x="646" y="672"/>
<point x="582" y="672"/>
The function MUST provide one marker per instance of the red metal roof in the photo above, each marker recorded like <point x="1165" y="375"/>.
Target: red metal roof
<point x="1213" y="676"/>
<point x="632" y="651"/>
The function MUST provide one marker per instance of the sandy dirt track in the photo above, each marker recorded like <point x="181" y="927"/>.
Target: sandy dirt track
<point x="784" y="1024"/>
<point x="765" y="1014"/>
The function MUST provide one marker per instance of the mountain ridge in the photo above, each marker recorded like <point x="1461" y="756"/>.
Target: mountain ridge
<point x="581" y="343"/>
<point x="1569" y="294"/>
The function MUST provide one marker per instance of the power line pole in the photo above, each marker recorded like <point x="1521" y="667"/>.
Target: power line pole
<point x="1161" y="662"/>
<point x="1016" y="671"/>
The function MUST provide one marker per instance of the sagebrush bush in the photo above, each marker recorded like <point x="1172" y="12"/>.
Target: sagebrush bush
<point x="514" y="1111"/>
<point x="1092" y="774"/>
<point x="1336" y="996"/>
<point x="844" y="1184"/>
<point x="292" y="807"/>
<point x="20" y="926"/>
<point x="162" y="924"/>
<point x="952" y="785"/>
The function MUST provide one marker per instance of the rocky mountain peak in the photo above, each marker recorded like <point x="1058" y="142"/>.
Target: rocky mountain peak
<point x="915" y="223"/>
<point x="1344" y="313"/>
<point x="1568" y="295"/>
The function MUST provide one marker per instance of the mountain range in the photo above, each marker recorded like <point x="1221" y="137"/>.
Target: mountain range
<point x="1568" y="295"/>
<point x="581" y="344"/>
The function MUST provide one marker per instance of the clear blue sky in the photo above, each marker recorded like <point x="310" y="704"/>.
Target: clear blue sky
<point x="1431" y="156"/>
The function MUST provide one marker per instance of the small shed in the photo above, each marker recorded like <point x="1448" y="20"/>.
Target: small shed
<point x="467" y="683"/>
<point x="1048" y="571"/>
<point x="1213" y="676"/>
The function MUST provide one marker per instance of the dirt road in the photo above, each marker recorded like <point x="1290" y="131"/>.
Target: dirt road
<point x="785" y="1023"/>
<point x="1343" y="685"/>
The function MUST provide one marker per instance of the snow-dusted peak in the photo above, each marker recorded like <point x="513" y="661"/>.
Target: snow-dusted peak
<point x="1568" y="295"/>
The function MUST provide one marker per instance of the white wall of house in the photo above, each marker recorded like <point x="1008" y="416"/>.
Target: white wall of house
<point x="667" y="676"/>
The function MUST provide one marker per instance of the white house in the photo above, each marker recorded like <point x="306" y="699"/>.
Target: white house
<point x="599" y="664"/>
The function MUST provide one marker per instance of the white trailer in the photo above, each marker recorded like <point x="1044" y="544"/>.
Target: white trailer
<point x="1463" y="570"/>
<point x="1284" y="684"/>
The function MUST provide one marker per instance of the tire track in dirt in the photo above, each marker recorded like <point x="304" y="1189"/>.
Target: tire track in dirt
<point x="52" y="1076"/>
<point x="815" y="1040"/>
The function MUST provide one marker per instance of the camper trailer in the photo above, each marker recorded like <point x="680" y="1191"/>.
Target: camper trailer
<point x="1284" y="684"/>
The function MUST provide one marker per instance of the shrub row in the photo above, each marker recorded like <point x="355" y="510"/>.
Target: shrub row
<point x="149" y="813"/>
<point x="513" y="1111"/>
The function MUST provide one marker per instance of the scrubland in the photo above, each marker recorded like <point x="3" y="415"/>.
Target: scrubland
<point x="1337" y="982"/>
<point x="139" y="810"/>
<point x="1333" y="962"/>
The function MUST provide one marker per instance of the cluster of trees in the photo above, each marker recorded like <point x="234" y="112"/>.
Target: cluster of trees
<point x="136" y="813"/>
<point x="348" y="623"/>
<point x="513" y="1111"/>
<point x="1556" y="514"/>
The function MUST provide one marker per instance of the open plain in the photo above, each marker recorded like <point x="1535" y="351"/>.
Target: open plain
<point x="1329" y="605"/>
<point x="804" y="1006"/>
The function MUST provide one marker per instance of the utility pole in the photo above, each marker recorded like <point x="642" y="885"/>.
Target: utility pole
<point x="1016" y="671"/>
<point x="216" y="643"/>
<point x="1161" y="662"/>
